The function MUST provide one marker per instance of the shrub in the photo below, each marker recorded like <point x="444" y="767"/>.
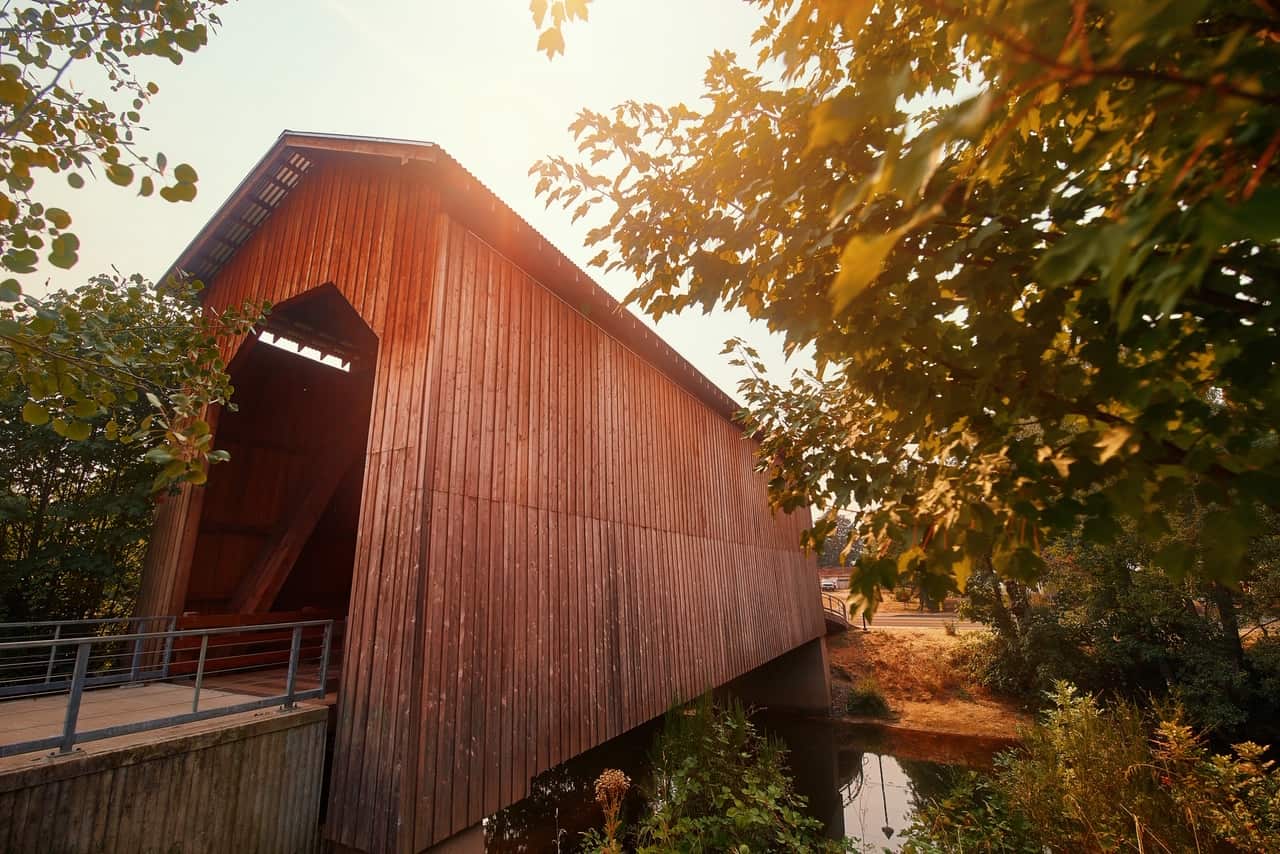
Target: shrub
<point x="1094" y="779"/>
<point x="866" y="700"/>
<point x="974" y="816"/>
<point x="1263" y="661"/>
<point x="719" y="785"/>
<point x="903" y="594"/>
<point x="1232" y="798"/>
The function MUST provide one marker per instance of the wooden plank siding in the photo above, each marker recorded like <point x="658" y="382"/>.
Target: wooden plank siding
<point x="556" y="538"/>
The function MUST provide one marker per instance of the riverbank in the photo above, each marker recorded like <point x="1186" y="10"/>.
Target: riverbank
<point x="926" y="690"/>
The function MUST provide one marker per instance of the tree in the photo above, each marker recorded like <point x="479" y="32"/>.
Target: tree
<point x="86" y="359"/>
<point x="76" y="496"/>
<point x="833" y="551"/>
<point x="74" y="518"/>
<point x="72" y="355"/>
<point x="1032" y="246"/>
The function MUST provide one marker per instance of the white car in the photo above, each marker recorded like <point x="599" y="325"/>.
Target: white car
<point x="829" y="584"/>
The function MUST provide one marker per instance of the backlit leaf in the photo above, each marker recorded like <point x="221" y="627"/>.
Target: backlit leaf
<point x="860" y="263"/>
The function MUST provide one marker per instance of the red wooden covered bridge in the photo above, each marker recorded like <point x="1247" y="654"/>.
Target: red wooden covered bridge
<point x="539" y="523"/>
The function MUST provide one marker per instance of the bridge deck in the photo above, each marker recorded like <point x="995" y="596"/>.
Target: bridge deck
<point x="270" y="681"/>
<point x="28" y="718"/>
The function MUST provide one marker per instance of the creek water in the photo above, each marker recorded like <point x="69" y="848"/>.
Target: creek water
<point x="861" y="781"/>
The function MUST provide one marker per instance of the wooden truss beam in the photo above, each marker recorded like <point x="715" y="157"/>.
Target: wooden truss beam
<point x="259" y="587"/>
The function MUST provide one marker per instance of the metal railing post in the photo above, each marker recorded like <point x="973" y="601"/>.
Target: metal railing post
<point x="136" y="664"/>
<point x="295" y="652"/>
<point x="204" y="649"/>
<point x="53" y="654"/>
<point x="324" y="656"/>
<point x="73" y="699"/>
<point x="168" y="648"/>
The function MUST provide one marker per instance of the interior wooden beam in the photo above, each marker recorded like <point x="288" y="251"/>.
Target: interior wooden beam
<point x="259" y="587"/>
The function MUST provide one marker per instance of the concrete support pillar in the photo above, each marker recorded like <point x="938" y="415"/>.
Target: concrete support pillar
<point x="799" y="680"/>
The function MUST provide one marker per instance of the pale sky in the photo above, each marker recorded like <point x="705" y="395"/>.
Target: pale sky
<point x="465" y="75"/>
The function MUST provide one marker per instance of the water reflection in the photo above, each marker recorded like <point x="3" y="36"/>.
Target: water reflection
<point x="879" y="801"/>
<point x="860" y="780"/>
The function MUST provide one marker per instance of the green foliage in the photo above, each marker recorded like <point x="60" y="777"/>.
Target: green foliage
<point x="1232" y="798"/>
<point x="84" y="360"/>
<point x="867" y="700"/>
<point x="1089" y="779"/>
<point x="74" y="519"/>
<point x="838" y="549"/>
<point x="718" y="785"/>
<point x="51" y="126"/>
<point x="973" y="817"/>
<point x="1033" y="247"/>
<point x="99" y="407"/>
<point x="76" y="354"/>
<point x="1111" y="624"/>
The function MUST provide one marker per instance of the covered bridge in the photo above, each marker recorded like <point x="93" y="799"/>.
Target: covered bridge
<point x="539" y="522"/>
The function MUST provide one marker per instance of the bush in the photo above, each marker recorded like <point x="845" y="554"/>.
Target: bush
<point x="974" y="816"/>
<point x="719" y="785"/>
<point x="866" y="700"/>
<point x="903" y="594"/>
<point x="1094" y="779"/>
<point x="1263" y="661"/>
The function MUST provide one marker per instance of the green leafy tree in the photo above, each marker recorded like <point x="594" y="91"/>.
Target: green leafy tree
<point x="80" y="463"/>
<point x="1101" y="617"/>
<point x="88" y="357"/>
<point x="74" y="518"/>
<point x="1032" y="246"/>
<point x="836" y="550"/>
<point x="78" y="357"/>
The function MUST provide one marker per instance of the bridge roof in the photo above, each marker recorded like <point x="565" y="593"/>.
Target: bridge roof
<point x="294" y="154"/>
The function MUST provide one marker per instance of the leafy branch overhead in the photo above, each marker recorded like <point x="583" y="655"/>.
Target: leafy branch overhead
<point x="554" y="15"/>
<point x="89" y="361"/>
<point x="1034" y="251"/>
<point x="49" y="126"/>
<point x="83" y="358"/>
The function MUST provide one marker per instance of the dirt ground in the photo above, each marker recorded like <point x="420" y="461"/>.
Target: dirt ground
<point x="925" y="689"/>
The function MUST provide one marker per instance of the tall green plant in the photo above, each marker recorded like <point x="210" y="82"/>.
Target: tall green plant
<point x="720" y="785"/>
<point x="1090" y="778"/>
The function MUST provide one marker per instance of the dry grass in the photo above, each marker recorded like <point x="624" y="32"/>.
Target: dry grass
<point x="916" y="674"/>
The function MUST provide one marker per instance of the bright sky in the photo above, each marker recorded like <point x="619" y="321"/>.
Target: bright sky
<point x="461" y="73"/>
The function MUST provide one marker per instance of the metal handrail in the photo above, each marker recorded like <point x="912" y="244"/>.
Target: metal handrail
<point x="176" y="633"/>
<point x="833" y="605"/>
<point x="80" y="679"/>
<point x="91" y="621"/>
<point x="49" y="684"/>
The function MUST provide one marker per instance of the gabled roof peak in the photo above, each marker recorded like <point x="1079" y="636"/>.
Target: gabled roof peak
<point x="295" y="153"/>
